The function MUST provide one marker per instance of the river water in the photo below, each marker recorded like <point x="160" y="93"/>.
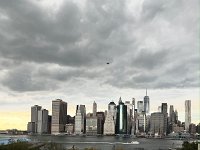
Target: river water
<point x="104" y="142"/>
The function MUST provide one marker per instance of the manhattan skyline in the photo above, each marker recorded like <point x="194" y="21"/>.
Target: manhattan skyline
<point x="89" y="51"/>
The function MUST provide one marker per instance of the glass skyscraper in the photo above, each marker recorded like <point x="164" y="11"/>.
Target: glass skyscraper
<point x="121" y="120"/>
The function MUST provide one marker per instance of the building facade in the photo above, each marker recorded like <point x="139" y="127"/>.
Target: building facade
<point x="187" y="114"/>
<point x="121" y="120"/>
<point x="34" y="115"/>
<point x="94" y="108"/>
<point x="157" y="123"/>
<point x="78" y="122"/>
<point x="59" y="116"/>
<point x="91" y="125"/>
<point x="146" y="104"/>
<point x="42" y="125"/>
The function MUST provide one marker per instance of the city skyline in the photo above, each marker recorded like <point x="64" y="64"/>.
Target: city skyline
<point x="86" y="51"/>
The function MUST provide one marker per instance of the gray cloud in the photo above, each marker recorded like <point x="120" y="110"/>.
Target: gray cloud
<point x="45" y="50"/>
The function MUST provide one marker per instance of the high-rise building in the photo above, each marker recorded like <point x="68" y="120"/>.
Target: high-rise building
<point x="91" y="125"/>
<point x="140" y="106"/>
<point x="59" y="116"/>
<point x="187" y="114"/>
<point x="42" y="125"/>
<point x="164" y="112"/>
<point x="94" y="108"/>
<point x="109" y="125"/>
<point x="83" y="114"/>
<point x="157" y="123"/>
<point x="121" y="121"/>
<point x="110" y="119"/>
<point x="34" y="115"/>
<point x="100" y="122"/>
<point x="146" y="104"/>
<point x="78" y="122"/>
<point x="129" y="116"/>
<point x="112" y="109"/>
<point x="31" y="127"/>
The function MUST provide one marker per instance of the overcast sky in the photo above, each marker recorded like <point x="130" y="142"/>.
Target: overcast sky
<point x="60" y="49"/>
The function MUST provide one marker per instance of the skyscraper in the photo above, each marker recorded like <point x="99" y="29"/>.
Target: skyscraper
<point x="34" y="116"/>
<point x="78" y="122"/>
<point x="187" y="114"/>
<point x="121" y="121"/>
<point x="110" y="119"/>
<point x="146" y="104"/>
<point x="94" y="108"/>
<point x="140" y="107"/>
<point x="83" y="115"/>
<point x="157" y="123"/>
<point x="59" y="116"/>
<point x="42" y="125"/>
<point x="100" y="122"/>
<point x="164" y="112"/>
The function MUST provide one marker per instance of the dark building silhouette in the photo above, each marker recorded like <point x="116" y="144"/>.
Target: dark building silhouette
<point x="100" y="122"/>
<point x="164" y="112"/>
<point x="121" y="120"/>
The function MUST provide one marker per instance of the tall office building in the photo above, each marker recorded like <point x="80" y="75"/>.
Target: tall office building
<point x="157" y="123"/>
<point x="91" y="125"/>
<point x="78" y="122"/>
<point x="59" y="116"/>
<point x="42" y="125"/>
<point x="121" y="121"/>
<point x="94" y="108"/>
<point x="34" y="116"/>
<point x="83" y="114"/>
<point x="164" y="112"/>
<point x="172" y="116"/>
<point x="187" y="114"/>
<point x="129" y="116"/>
<point x="112" y="109"/>
<point x="110" y="119"/>
<point x="100" y="122"/>
<point x="146" y="104"/>
<point x="140" y="106"/>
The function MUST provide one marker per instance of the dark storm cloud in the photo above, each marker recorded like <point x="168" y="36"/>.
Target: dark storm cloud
<point x="43" y="50"/>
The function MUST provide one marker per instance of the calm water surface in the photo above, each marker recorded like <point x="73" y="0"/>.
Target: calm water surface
<point x="105" y="142"/>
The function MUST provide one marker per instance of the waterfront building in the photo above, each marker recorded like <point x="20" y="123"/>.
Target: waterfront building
<point x="121" y="120"/>
<point x="42" y="126"/>
<point x="100" y="122"/>
<point x="129" y="116"/>
<point x="133" y="117"/>
<point x="69" y="128"/>
<point x="187" y="114"/>
<point x="34" y="116"/>
<point x="94" y="108"/>
<point x="142" y="122"/>
<point x="140" y="107"/>
<point x="157" y="123"/>
<point x="49" y="124"/>
<point x="112" y="109"/>
<point x="91" y="125"/>
<point x="146" y="104"/>
<point x="59" y="116"/>
<point x="31" y="127"/>
<point x="83" y="114"/>
<point x="164" y="112"/>
<point x="177" y="129"/>
<point x="78" y="122"/>
<point x="109" y="125"/>
<point x="110" y="119"/>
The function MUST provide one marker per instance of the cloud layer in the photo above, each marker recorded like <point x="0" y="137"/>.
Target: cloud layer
<point x="148" y="44"/>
